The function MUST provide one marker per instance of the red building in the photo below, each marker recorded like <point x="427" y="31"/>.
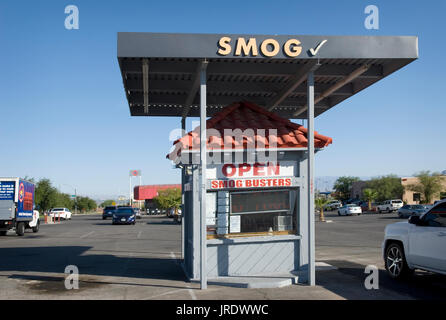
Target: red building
<point x="147" y="193"/>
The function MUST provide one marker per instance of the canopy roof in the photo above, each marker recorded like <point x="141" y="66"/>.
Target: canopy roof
<point x="161" y="71"/>
<point x="247" y="116"/>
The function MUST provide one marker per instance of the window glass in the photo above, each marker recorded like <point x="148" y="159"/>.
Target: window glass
<point x="436" y="217"/>
<point x="260" y="201"/>
<point x="262" y="211"/>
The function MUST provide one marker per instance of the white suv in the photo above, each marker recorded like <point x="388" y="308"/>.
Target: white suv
<point x="390" y="205"/>
<point x="419" y="243"/>
<point x="64" y="213"/>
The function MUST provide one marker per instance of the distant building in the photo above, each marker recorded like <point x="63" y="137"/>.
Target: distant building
<point x="357" y="189"/>
<point x="147" y="193"/>
<point x="409" y="197"/>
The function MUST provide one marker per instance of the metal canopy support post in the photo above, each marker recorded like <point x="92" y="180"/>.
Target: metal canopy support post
<point x="183" y="182"/>
<point x="310" y="174"/>
<point x="145" y="84"/>
<point x="203" y="138"/>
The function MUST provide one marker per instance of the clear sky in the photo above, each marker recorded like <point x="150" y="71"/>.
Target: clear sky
<point x="64" y="115"/>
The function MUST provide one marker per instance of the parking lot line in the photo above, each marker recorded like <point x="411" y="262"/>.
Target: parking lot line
<point x="86" y="235"/>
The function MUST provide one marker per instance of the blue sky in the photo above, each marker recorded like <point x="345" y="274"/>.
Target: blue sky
<point x="64" y="115"/>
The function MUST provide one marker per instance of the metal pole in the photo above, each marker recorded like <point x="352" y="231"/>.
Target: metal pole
<point x="75" y="201"/>
<point x="130" y="191"/>
<point x="183" y="181"/>
<point x="203" y="233"/>
<point x="310" y="189"/>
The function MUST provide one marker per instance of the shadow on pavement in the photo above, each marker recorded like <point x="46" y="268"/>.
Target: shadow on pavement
<point x="164" y="222"/>
<point x="348" y="282"/>
<point x="55" y="259"/>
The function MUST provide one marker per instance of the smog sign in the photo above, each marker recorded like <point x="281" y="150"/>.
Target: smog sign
<point x="255" y="175"/>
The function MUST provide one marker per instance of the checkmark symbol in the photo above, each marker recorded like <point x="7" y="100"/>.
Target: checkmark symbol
<point x="318" y="47"/>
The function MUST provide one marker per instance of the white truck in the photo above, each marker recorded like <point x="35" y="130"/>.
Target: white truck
<point x="419" y="243"/>
<point x="390" y="206"/>
<point x="17" y="206"/>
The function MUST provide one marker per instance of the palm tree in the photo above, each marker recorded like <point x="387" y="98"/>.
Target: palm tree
<point x="319" y="204"/>
<point x="370" y="195"/>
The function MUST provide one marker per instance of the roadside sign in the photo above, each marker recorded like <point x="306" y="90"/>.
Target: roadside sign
<point x="135" y="173"/>
<point x="73" y="196"/>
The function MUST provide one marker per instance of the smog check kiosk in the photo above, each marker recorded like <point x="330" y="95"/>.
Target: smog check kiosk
<point x="256" y="200"/>
<point x="250" y="214"/>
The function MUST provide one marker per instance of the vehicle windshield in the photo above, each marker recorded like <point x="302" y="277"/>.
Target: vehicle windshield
<point x="352" y="205"/>
<point x="397" y="201"/>
<point x="58" y="209"/>
<point x="418" y="206"/>
<point x="125" y="211"/>
<point x="110" y="208"/>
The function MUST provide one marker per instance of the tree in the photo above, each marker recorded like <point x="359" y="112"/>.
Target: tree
<point x="169" y="198"/>
<point x="343" y="187"/>
<point x="369" y="195"/>
<point x="319" y="203"/>
<point x="429" y="185"/>
<point x="64" y="200"/>
<point x="387" y="187"/>
<point x="107" y="203"/>
<point x="86" y="204"/>
<point x="45" y="195"/>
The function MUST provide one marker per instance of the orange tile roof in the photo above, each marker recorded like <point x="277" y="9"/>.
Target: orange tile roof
<point x="246" y="115"/>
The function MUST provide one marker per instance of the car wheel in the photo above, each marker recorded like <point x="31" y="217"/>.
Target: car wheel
<point x="396" y="264"/>
<point x="20" y="229"/>
<point x="339" y="213"/>
<point x="36" y="228"/>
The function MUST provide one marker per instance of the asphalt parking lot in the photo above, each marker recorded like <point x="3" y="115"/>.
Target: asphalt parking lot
<point x="141" y="262"/>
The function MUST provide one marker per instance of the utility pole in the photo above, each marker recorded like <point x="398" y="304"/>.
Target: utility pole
<point x="75" y="201"/>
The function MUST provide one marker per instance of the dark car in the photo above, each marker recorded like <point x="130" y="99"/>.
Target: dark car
<point x="124" y="215"/>
<point x="409" y="210"/>
<point x="108" y="212"/>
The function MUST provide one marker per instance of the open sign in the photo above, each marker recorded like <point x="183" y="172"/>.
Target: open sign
<point x="250" y="170"/>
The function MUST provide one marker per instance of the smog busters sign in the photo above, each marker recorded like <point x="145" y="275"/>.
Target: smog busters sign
<point x="256" y="175"/>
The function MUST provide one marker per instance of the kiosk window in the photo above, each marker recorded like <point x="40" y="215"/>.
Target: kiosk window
<point x="261" y="211"/>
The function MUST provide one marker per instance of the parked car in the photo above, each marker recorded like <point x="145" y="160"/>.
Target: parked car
<point x="365" y="206"/>
<point x="333" y="205"/>
<point x="390" y="205"/>
<point x="418" y="243"/>
<point x="64" y="213"/>
<point x="108" y="212"/>
<point x="349" y="209"/>
<point x="124" y="215"/>
<point x="137" y="213"/>
<point x="408" y="210"/>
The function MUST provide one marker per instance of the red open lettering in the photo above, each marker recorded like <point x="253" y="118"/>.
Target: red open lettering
<point x="242" y="168"/>
<point x="231" y="170"/>
<point x="273" y="169"/>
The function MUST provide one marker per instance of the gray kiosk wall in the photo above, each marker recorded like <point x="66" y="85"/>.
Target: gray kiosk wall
<point x="254" y="255"/>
